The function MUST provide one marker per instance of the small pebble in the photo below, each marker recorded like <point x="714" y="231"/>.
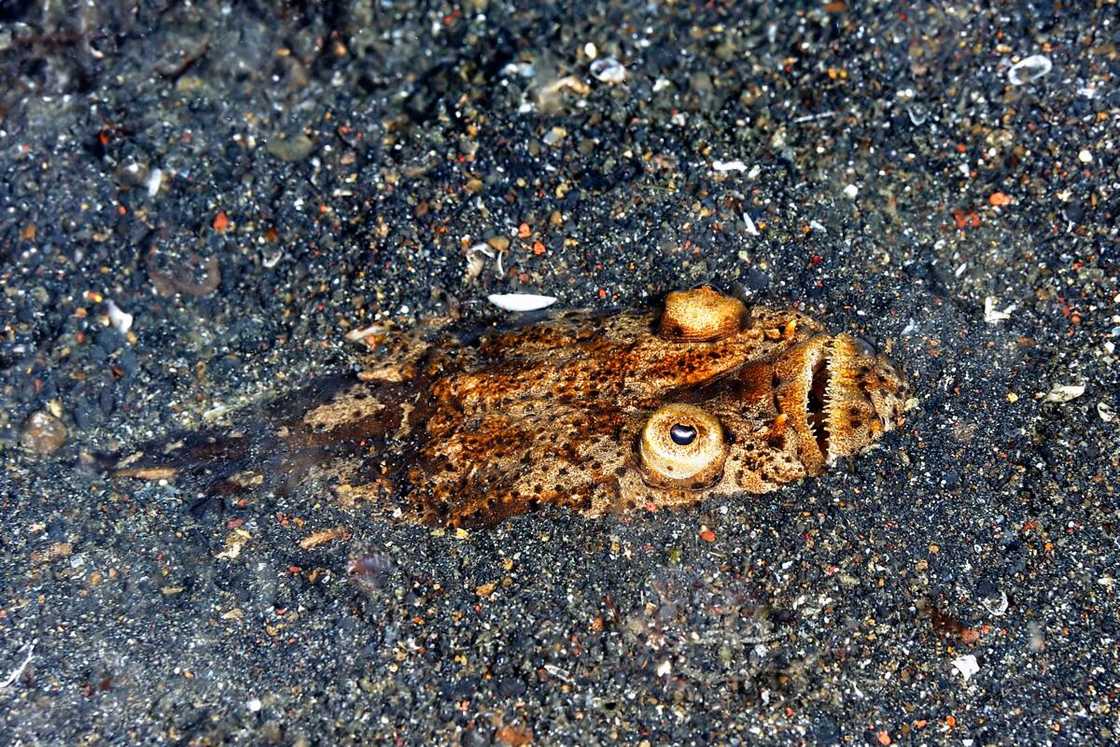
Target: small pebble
<point x="555" y="136"/>
<point x="290" y="149"/>
<point x="43" y="434"/>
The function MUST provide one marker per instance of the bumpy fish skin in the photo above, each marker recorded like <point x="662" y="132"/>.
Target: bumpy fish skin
<point x="597" y="413"/>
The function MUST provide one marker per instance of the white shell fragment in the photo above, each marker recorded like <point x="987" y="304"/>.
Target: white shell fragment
<point x="355" y="335"/>
<point x="16" y="673"/>
<point x="966" y="666"/>
<point x="993" y="315"/>
<point x="608" y="70"/>
<point x="1105" y="411"/>
<point x="752" y="229"/>
<point x="523" y="69"/>
<point x="725" y="166"/>
<point x="121" y="321"/>
<point x="996" y="606"/>
<point x="1064" y="392"/>
<point x="520" y="301"/>
<point x="155" y="179"/>
<point x="1029" y="69"/>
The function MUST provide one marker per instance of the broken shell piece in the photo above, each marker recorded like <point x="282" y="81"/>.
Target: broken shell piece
<point x="721" y="167"/>
<point x="155" y="179"/>
<point x="608" y="70"/>
<point x="567" y="83"/>
<point x="966" y="666"/>
<point x="992" y="315"/>
<point x="700" y="314"/>
<point x="1064" y="392"/>
<point x="520" y="301"/>
<point x="1029" y="69"/>
<point x="355" y="335"/>
<point x="120" y="320"/>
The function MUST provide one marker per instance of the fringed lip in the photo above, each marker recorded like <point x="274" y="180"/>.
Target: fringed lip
<point x="803" y="397"/>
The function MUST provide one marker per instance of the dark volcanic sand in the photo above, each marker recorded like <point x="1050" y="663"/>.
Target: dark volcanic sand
<point x="328" y="165"/>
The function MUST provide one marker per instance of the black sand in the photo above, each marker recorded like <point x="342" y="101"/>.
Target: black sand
<point x="327" y="165"/>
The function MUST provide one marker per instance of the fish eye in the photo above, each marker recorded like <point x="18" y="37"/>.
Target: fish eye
<point x="682" y="446"/>
<point x="682" y="435"/>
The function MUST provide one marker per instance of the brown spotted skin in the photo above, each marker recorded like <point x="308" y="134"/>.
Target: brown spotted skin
<point x="468" y="434"/>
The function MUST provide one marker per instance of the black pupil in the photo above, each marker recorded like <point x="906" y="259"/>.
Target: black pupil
<point x="682" y="435"/>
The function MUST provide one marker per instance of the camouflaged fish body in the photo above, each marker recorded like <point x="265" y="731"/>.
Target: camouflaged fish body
<point x="599" y="413"/>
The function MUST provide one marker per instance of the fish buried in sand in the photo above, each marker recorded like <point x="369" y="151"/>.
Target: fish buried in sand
<point x="595" y="412"/>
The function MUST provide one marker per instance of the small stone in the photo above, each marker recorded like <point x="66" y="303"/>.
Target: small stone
<point x="851" y="191"/>
<point x="1085" y="156"/>
<point x="555" y="136"/>
<point x="291" y="149"/>
<point x="43" y="434"/>
<point x="514" y="736"/>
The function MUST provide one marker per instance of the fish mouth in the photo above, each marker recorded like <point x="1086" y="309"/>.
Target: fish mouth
<point x="804" y="396"/>
<point x="818" y="401"/>
<point x="837" y="397"/>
